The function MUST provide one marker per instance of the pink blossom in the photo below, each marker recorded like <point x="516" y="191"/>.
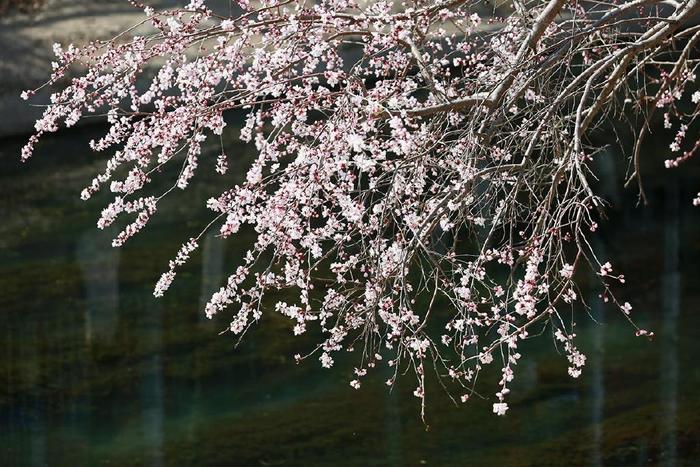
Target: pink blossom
<point x="566" y="271"/>
<point x="500" y="408"/>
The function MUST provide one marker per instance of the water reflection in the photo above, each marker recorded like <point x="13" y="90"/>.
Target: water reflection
<point x="152" y="388"/>
<point x="94" y="370"/>
<point x="671" y="306"/>
<point x="609" y="190"/>
<point x="392" y="425"/>
<point x="34" y="414"/>
<point x="100" y="267"/>
<point x="596" y="362"/>
<point x="212" y="266"/>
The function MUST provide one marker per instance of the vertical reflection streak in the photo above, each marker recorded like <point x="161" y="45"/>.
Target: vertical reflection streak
<point x="100" y="267"/>
<point x="392" y="427"/>
<point x="669" y="328"/>
<point x="36" y="409"/>
<point x="152" y="390"/>
<point x="212" y="268"/>
<point x="605" y="165"/>
<point x="596" y="369"/>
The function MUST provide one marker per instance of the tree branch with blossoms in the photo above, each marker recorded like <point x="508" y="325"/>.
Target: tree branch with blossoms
<point x="422" y="182"/>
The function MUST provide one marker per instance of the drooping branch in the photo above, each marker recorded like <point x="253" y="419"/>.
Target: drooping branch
<point x="421" y="186"/>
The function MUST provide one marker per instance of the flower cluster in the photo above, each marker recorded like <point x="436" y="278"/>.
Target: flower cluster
<point x="421" y="186"/>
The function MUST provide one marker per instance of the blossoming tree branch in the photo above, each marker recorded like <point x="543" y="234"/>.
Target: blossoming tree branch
<point x="421" y="183"/>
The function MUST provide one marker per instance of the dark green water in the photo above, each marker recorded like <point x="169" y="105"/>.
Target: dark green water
<point x="95" y="371"/>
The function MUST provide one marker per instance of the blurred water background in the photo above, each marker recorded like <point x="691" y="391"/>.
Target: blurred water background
<point x="95" y="371"/>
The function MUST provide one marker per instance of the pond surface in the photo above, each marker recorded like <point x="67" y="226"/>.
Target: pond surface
<point x="94" y="370"/>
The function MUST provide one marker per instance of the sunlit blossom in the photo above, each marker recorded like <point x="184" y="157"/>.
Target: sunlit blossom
<point x="422" y="182"/>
